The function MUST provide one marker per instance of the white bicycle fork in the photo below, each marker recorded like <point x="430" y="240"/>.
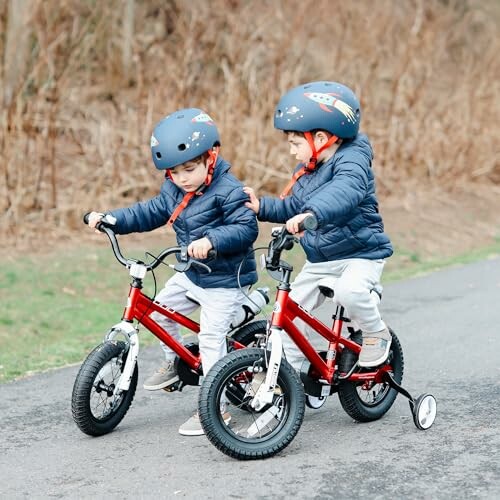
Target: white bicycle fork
<point x="265" y="392"/>
<point x="130" y="333"/>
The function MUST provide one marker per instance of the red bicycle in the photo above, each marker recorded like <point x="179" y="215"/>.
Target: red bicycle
<point x="107" y="380"/>
<point x="266" y="396"/>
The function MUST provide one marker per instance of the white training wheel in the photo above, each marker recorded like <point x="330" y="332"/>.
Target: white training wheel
<point x="315" y="402"/>
<point x="424" y="411"/>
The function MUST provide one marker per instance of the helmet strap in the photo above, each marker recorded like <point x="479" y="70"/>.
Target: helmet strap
<point x="311" y="165"/>
<point x="213" y="154"/>
<point x="315" y="152"/>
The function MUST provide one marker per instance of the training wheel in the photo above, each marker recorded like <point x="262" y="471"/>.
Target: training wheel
<point x="315" y="402"/>
<point x="424" y="410"/>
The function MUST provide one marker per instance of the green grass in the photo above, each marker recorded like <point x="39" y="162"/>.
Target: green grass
<point x="56" y="308"/>
<point x="406" y="264"/>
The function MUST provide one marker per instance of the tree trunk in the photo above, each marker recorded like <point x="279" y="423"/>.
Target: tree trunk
<point x="16" y="47"/>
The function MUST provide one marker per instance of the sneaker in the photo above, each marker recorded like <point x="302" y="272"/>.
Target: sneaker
<point x="192" y="426"/>
<point x="161" y="378"/>
<point x="375" y="348"/>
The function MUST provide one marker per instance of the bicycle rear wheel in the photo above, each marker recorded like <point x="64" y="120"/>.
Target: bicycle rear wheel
<point x="248" y="334"/>
<point x="230" y="385"/>
<point x="367" y="401"/>
<point x="97" y="408"/>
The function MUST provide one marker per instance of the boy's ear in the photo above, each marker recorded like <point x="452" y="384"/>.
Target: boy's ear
<point x="321" y="136"/>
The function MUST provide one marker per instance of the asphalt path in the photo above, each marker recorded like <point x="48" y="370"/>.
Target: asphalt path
<point x="448" y="324"/>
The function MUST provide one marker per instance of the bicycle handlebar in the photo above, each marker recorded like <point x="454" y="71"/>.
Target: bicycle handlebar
<point x="185" y="261"/>
<point x="284" y="240"/>
<point x="310" y="223"/>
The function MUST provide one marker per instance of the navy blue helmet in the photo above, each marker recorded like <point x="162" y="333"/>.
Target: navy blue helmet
<point x="182" y="136"/>
<point x="326" y="106"/>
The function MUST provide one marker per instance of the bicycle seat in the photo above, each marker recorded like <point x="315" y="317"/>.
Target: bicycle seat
<point x="326" y="287"/>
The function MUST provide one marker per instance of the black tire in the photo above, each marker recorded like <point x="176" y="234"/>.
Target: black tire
<point x="242" y="438"/>
<point x="95" y="409"/>
<point x="248" y="334"/>
<point x="365" y="402"/>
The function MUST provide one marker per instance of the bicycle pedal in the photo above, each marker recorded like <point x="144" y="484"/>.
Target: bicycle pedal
<point x="173" y="387"/>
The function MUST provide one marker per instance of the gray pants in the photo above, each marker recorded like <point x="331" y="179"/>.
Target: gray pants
<point x="352" y="281"/>
<point x="218" y="307"/>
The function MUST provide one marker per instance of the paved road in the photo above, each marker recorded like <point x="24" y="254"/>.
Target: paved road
<point x="448" y="323"/>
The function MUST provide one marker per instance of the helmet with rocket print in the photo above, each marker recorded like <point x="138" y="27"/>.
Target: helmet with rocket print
<point x="328" y="106"/>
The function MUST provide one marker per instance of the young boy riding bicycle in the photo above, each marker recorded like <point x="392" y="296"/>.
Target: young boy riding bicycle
<point x="204" y="204"/>
<point x="334" y="181"/>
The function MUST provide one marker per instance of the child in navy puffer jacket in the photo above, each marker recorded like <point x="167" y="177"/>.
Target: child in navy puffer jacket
<point x="335" y="182"/>
<point x="205" y="204"/>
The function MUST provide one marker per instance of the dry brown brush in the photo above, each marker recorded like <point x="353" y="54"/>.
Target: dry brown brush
<point x="82" y="83"/>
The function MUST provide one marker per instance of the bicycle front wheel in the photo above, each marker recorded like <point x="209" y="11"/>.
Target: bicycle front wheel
<point x="96" y="405"/>
<point x="227" y="392"/>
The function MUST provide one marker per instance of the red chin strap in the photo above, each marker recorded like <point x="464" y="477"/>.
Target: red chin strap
<point x="213" y="154"/>
<point x="311" y="165"/>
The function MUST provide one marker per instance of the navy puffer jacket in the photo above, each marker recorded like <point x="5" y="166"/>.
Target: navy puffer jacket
<point x="341" y="193"/>
<point x="218" y="214"/>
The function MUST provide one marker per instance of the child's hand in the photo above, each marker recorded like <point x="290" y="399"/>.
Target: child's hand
<point x="254" y="202"/>
<point x="199" y="249"/>
<point x="94" y="218"/>
<point x="292" y="225"/>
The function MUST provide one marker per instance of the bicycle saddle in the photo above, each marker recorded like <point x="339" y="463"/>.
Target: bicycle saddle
<point x="326" y="287"/>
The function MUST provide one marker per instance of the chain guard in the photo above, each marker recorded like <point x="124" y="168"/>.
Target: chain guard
<point x="186" y="375"/>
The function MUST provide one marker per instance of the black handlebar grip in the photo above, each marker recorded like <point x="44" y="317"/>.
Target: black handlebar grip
<point x="86" y="218"/>
<point x="212" y="254"/>
<point x="310" y="223"/>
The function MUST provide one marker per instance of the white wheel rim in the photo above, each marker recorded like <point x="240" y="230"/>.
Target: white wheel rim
<point x="426" y="411"/>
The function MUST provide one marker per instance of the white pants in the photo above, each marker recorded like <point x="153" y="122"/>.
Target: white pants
<point x="352" y="280"/>
<point x="218" y="307"/>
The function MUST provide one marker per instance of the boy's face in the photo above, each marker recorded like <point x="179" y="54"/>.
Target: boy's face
<point x="191" y="175"/>
<point x="299" y="147"/>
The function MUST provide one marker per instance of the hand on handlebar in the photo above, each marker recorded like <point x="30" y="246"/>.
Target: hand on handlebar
<point x="296" y="225"/>
<point x="199" y="249"/>
<point x="93" y="219"/>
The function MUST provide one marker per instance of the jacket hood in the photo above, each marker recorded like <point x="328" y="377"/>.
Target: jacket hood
<point x="221" y="167"/>
<point x="359" y="144"/>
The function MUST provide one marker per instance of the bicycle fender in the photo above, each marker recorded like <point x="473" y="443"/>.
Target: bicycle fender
<point x="128" y="370"/>
<point x="132" y="338"/>
<point x="124" y="328"/>
<point x="265" y="393"/>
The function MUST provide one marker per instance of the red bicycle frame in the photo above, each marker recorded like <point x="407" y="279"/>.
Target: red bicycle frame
<point x="286" y="310"/>
<point x="140" y="306"/>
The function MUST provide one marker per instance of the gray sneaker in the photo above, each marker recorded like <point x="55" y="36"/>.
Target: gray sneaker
<point x="375" y="348"/>
<point x="192" y="426"/>
<point x="163" y="377"/>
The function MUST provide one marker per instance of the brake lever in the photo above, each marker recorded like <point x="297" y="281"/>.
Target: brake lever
<point x="186" y="262"/>
<point x="201" y="265"/>
<point x="182" y="267"/>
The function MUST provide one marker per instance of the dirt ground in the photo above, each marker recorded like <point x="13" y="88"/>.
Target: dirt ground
<point x="425" y="222"/>
<point x="433" y="223"/>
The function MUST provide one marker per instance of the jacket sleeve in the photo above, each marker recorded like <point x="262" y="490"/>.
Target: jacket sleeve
<point x="342" y="194"/>
<point x="239" y="228"/>
<point x="277" y="210"/>
<point x="142" y="216"/>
